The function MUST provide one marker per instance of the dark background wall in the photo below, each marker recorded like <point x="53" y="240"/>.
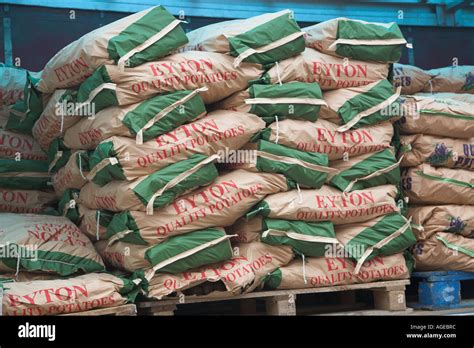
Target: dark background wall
<point x="37" y="33"/>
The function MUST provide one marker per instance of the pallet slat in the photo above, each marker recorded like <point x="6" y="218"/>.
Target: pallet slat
<point x="388" y="295"/>
<point x="124" y="310"/>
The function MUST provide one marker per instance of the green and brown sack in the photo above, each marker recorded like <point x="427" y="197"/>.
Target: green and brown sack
<point x="304" y="238"/>
<point x="127" y="42"/>
<point x="410" y="78"/>
<point x="385" y="235"/>
<point x="94" y="223"/>
<point x="368" y="170"/>
<point x="175" y="255"/>
<point x="334" y="271"/>
<point x="57" y="116"/>
<point x="309" y="169"/>
<point x="455" y="79"/>
<point x="462" y="97"/>
<point x="68" y="207"/>
<point x="51" y="244"/>
<point x="431" y="219"/>
<point x="329" y="71"/>
<point x="297" y="100"/>
<point x="354" y="107"/>
<point x="425" y="184"/>
<point x="356" y="39"/>
<point x="263" y="39"/>
<point x="11" y="85"/>
<point x="328" y="204"/>
<point x="26" y="201"/>
<point x="241" y="274"/>
<point x="58" y="155"/>
<point x="25" y="112"/>
<point x="109" y="86"/>
<point x="74" y="173"/>
<point x="219" y="204"/>
<point x="444" y="252"/>
<point x="153" y="191"/>
<point x="441" y="117"/>
<point x="120" y="158"/>
<point x="322" y="136"/>
<point x="437" y="151"/>
<point x="144" y="120"/>
<point x="21" y="146"/>
<point x="24" y="174"/>
<point x="72" y="295"/>
<point x="246" y="230"/>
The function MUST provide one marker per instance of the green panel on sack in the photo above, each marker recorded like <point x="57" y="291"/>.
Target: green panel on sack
<point x="182" y="243"/>
<point x="58" y="152"/>
<point x="56" y="262"/>
<point x="110" y="172"/>
<point x="9" y="168"/>
<point x="142" y="30"/>
<point x="355" y="30"/>
<point x="24" y="113"/>
<point x="305" y="176"/>
<point x="136" y="119"/>
<point x="372" y="235"/>
<point x="409" y="260"/>
<point x="286" y="90"/>
<point x="377" y="161"/>
<point x="105" y="217"/>
<point x="156" y="181"/>
<point x="265" y="34"/>
<point x="273" y="280"/>
<point x="121" y="222"/>
<point x="67" y="208"/>
<point x="260" y="209"/>
<point x="308" y="248"/>
<point x="364" y="101"/>
<point x="105" y="98"/>
<point x="82" y="160"/>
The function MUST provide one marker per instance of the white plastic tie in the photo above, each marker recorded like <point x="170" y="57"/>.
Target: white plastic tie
<point x="277" y="135"/>
<point x="97" y="225"/>
<point x="300" y="196"/>
<point x="304" y="269"/>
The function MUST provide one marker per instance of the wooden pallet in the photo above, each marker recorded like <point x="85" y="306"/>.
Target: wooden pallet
<point x="123" y="310"/>
<point x="441" y="290"/>
<point x="388" y="295"/>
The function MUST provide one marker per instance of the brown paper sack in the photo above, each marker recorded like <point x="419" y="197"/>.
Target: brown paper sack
<point x="444" y="252"/>
<point x="241" y="274"/>
<point x="431" y="219"/>
<point x="330" y="72"/>
<point x="322" y="136"/>
<point x="437" y="151"/>
<point x="429" y="185"/>
<point x="324" y="271"/>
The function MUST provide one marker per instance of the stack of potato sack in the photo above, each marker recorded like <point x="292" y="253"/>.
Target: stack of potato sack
<point x="342" y="218"/>
<point x="437" y="146"/>
<point x="62" y="248"/>
<point x="445" y="81"/>
<point x="151" y="194"/>
<point x="48" y="266"/>
<point x="25" y="184"/>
